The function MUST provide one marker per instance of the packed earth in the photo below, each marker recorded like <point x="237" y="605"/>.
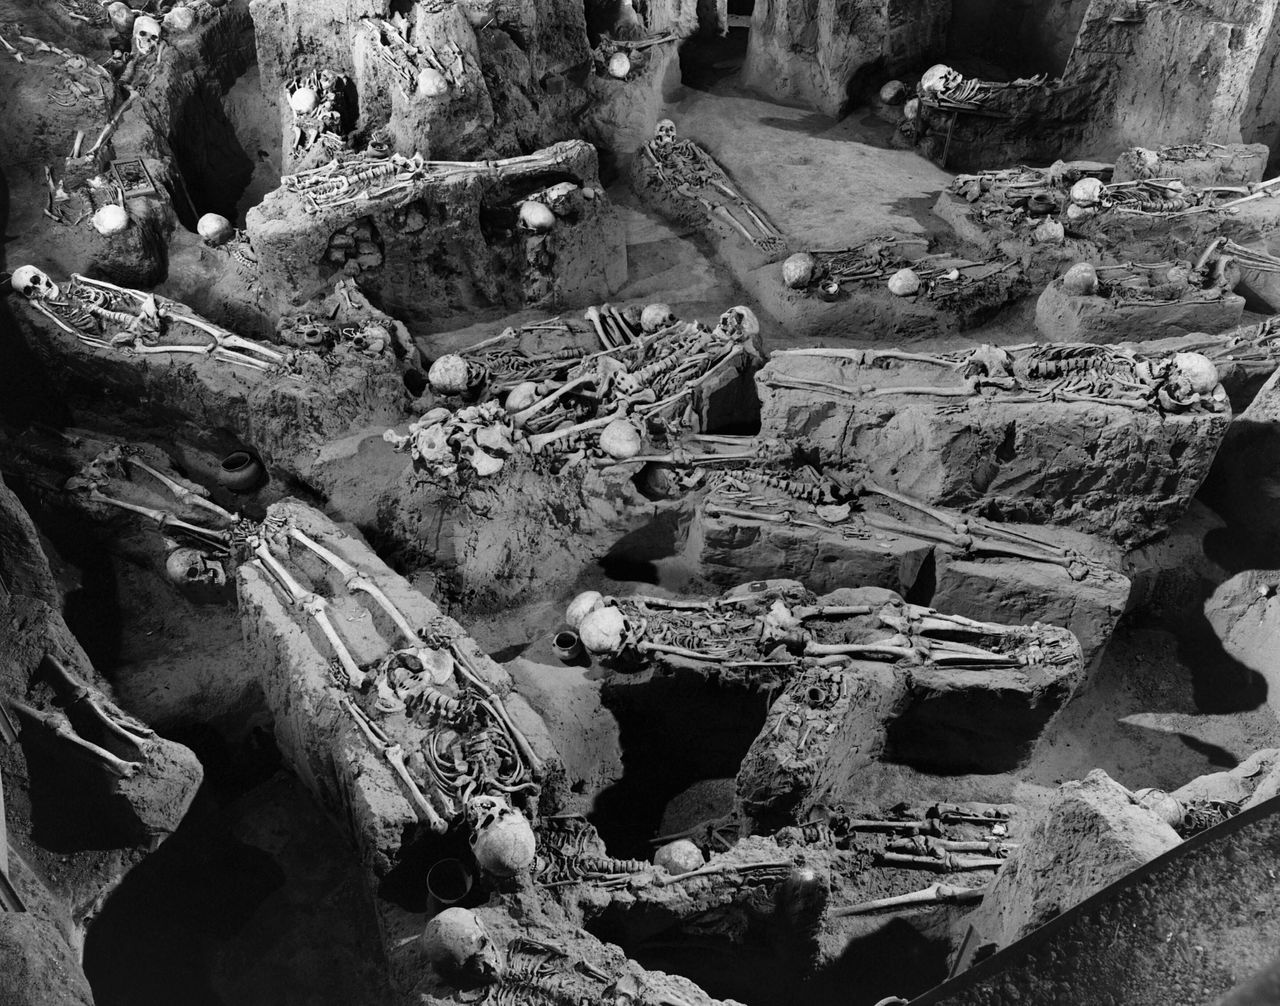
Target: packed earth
<point x="639" y="502"/>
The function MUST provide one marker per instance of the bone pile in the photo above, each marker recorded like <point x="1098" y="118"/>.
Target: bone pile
<point x="645" y="385"/>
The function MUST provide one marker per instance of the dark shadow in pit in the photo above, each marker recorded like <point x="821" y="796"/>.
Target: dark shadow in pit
<point x="675" y="730"/>
<point x="1220" y="684"/>
<point x="633" y="557"/>
<point x="896" y="959"/>
<point x="147" y="945"/>
<point x="707" y="59"/>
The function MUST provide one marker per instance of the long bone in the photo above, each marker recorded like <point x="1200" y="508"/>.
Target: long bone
<point x="79" y="705"/>
<point x="62" y="729"/>
<point x="947" y="863"/>
<point x="315" y="606"/>
<point x="394" y="755"/>
<point x="593" y="315"/>
<point x="719" y="870"/>
<point x="163" y="520"/>
<point x="524" y="415"/>
<point x="183" y="495"/>
<point x="938" y="894"/>
<point x="357" y="581"/>
<point x="539" y="441"/>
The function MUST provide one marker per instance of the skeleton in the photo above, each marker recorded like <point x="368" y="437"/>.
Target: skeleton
<point x="372" y="175"/>
<point x="766" y="636"/>
<point x="1036" y="372"/>
<point x="317" y="117"/>
<point x="844" y="503"/>
<point x="945" y="88"/>
<point x="105" y="316"/>
<point x="410" y="62"/>
<point x="685" y="169"/>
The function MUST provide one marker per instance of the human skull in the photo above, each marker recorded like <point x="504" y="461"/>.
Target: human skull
<point x="1087" y="192"/>
<point x="146" y="35"/>
<point x="581" y="606"/>
<point x="189" y="568"/>
<point x="303" y="101"/>
<point x="215" y="229"/>
<point x="604" y="632"/>
<point x="621" y="440"/>
<point x="1081" y="280"/>
<point x="619" y="65"/>
<point x="680" y="856"/>
<point x="33" y="284"/>
<point x="938" y="78"/>
<point x="449" y="375"/>
<point x="458" y="946"/>
<point x="904" y="283"/>
<point x="122" y="18"/>
<point x="655" y="317"/>
<point x="536" y="216"/>
<point x="739" y="323"/>
<point x="111" y="219"/>
<point x="798" y="270"/>
<point x="328" y="80"/>
<point x="501" y="838"/>
<point x="521" y="397"/>
<point x="1190" y="377"/>
<point x="432" y="83"/>
<point x="893" y="93"/>
<point x="664" y="135"/>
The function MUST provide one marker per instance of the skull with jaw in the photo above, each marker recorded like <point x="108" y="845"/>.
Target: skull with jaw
<point x="146" y="35"/>
<point x="34" y="284"/>
<point x="938" y="78"/>
<point x="738" y="324"/>
<point x="1191" y="379"/>
<point x="191" y="571"/>
<point x="664" y="137"/>
<point x="501" y="838"/>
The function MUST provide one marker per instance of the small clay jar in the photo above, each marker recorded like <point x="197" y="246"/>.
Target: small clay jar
<point x="1041" y="204"/>
<point x="241" y="472"/>
<point x="448" y="882"/>
<point x="567" y="646"/>
<point x="829" y="290"/>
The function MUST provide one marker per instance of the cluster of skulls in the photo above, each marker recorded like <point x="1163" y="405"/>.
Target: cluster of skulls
<point x="442" y="441"/>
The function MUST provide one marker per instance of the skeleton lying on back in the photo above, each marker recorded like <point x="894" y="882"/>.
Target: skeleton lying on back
<point x="770" y="634"/>
<point x="106" y="316"/>
<point x="1040" y="372"/>
<point x="684" y="168"/>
